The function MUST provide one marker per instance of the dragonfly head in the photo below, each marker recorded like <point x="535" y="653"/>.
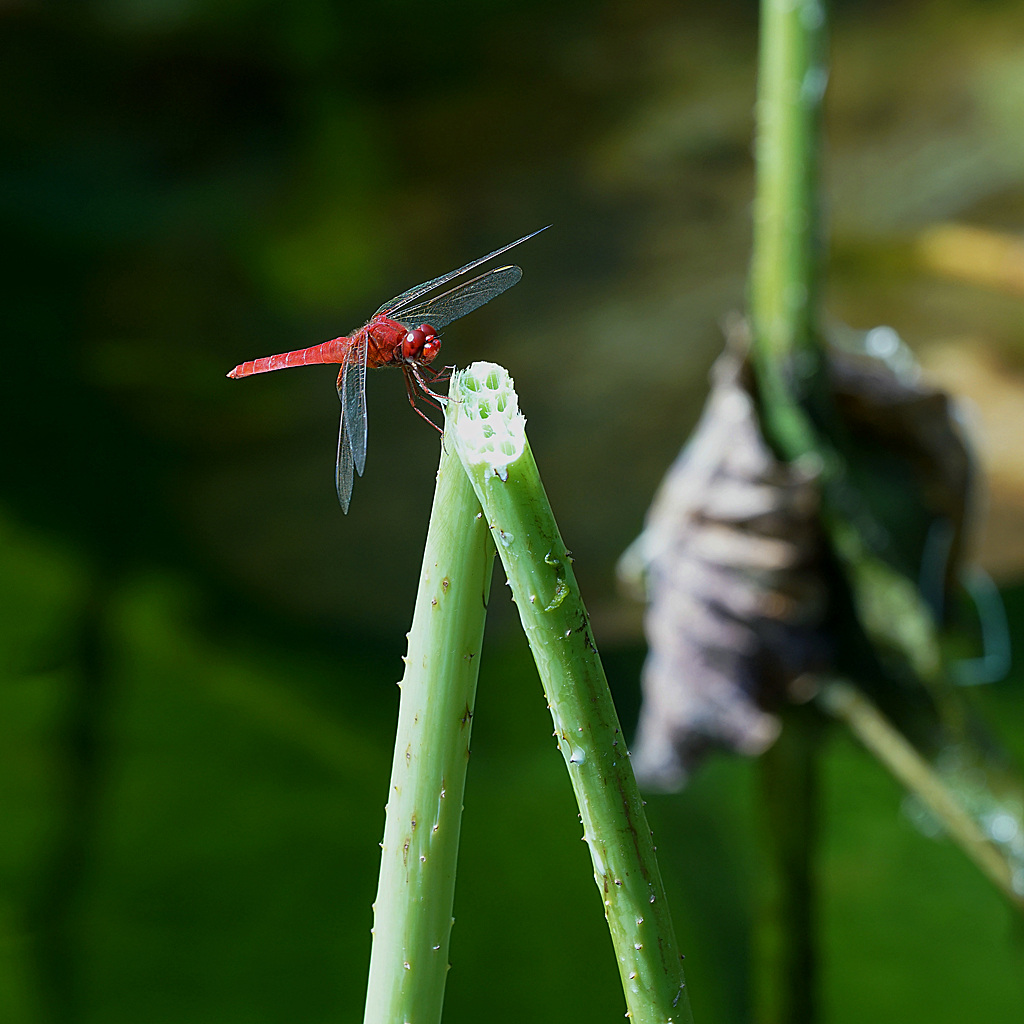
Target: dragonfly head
<point x="421" y="344"/>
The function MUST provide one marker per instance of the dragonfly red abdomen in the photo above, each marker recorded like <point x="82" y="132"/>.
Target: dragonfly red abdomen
<point x="333" y="351"/>
<point x="387" y="343"/>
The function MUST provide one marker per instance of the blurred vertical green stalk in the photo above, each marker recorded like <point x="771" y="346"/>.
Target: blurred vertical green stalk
<point x="789" y="365"/>
<point x="413" y="909"/>
<point x="488" y="431"/>
<point x="785" y="265"/>
<point x="797" y="418"/>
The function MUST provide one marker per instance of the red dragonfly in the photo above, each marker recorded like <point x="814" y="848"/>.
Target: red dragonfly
<point x="404" y="332"/>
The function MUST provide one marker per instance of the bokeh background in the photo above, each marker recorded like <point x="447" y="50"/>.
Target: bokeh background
<point x="198" y="651"/>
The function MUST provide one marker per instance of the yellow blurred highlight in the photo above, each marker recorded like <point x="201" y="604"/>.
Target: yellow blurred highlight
<point x="987" y="258"/>
<point x="991" y="394"/>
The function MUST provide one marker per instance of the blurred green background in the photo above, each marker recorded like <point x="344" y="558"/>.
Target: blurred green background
<point x="198" y="650"/>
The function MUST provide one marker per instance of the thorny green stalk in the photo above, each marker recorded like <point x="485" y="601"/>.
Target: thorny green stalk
<point x="413" y="909"/>
<point x="488" y="432"/>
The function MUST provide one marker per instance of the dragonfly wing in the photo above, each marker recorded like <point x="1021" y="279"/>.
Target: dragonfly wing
<point x="343" y="468"/>
<point x="352" y="392"/>
<point x="352" y="432"/>
<point x="395" y="308"/>
<point x="442" y="309"/>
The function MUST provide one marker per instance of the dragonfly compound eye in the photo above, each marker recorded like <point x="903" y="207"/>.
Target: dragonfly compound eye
<point x="430" y="347"/>
<point x="420" y="344"/>
<point x="412" y="343"/>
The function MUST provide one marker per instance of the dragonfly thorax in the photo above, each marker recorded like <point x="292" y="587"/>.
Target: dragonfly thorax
<point x="421" y="344"/>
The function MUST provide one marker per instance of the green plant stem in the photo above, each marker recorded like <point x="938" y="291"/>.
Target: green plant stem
<point x="786" y="992"/>
<point x="785" y="265"/>
<point x="413" y="909"/>
<point x="847" y="703"/>
<point x="793" y="388"/>
<point x="794" y="393"/>
<point x="489" y="434"/>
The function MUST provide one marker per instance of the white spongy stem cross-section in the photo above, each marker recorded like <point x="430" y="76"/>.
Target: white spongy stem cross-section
<point x="489" y="428"/>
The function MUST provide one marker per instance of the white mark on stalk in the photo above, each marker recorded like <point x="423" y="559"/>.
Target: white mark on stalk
<point x="813" y="86"/>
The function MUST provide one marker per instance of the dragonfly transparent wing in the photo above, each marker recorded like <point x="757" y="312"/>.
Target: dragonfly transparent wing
<point x="396" y="308"/>
<point x="352" y="431"/>
<point x="442" y="309"/>
<point x="343" y="468"/>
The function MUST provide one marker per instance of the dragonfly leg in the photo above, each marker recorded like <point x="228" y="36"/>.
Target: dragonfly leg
<point x="415" y="387"/>
<point x="445" y="373"/>
<point x="422" y="374"/>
